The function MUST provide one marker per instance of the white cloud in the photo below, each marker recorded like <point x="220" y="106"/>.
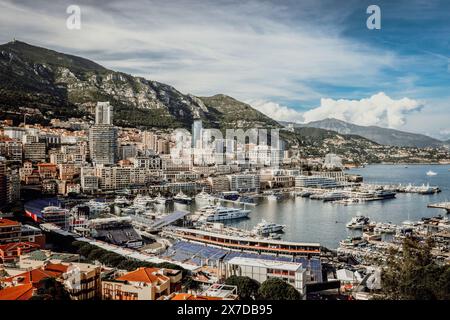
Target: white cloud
<point x="276" y="111"/>
<point x="445" y="133"/>
<point x="379" y="109"/>
<point x="249" y="50"/>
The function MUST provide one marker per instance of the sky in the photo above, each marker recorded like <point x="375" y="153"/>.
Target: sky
<point x="294" y="60"/>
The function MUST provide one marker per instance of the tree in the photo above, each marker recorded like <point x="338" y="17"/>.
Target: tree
<point x="95" y="254"/>
<point x="277" y="289"/>
<point x="413" y="274"/>
<point x="51" y="289"/>
<point x="85" y="250"/>
<point x="247" y="288"/>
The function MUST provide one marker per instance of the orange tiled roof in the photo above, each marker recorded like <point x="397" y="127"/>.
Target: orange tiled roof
<point x="8" y="223"/>
<point x="147" y="275"/>
<point x="34" y="276"/>
<point x="22" y="245"/>
<point x="21" y="292"/>
<point x="56" y="267"/>
<point x="46" y="165"/>
<point x="188" y="296"/>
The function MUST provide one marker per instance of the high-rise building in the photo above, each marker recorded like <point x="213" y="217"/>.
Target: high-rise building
<point x="103" y="136"/>
<point x="104" y="113"/>
<point x="197" y="131"/>
<point x="103" y="144"/>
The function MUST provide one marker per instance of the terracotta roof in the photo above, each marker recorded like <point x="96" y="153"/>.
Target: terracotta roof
<point x="188" y="296"/>
<point x="56" y="267"/>
<point x="34" y="276"/>
<point x="8" y="223"/>
<point x="21" y="292"/>
<point x="147" y="275"/>
<point x="22" y="245"/>
<point x="47" y="165"/>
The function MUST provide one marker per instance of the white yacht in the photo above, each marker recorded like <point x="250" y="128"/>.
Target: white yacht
<point x="384" y="228"/>
<point x="334" y="195"/>
<point x="358" y="222"/>
<point x="223" y="213"/>
<point x="265" y="228"/>
<point x="425" y="189"/>
<point x="431" y="173"/>
<point x="141" y="200"/>
<point x="121" y="200"/>
<point x="204" y="197"/>
<point x="182" y="198"/>
<point x="160" y="199"/>
<point x="274" y="197"/>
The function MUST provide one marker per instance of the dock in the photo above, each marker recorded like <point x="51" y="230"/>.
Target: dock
<point x="440" y="205"/>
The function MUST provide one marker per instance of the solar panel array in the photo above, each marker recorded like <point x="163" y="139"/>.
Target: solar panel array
<point x="201" y="254"/>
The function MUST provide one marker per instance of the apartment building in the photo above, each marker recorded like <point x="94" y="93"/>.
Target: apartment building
<point x="141" y="284"/>
<point x="261" y="270"/>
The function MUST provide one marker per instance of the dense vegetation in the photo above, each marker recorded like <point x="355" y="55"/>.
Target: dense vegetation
<point x="247" y="288"/>
<point x="93" y="253"/>
<point x="277" y="289"/>
<point x="271" y="289"/>
<point x="412" y="274"/>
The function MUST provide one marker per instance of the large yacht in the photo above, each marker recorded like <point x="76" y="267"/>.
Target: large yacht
<point x="223" y="213"/>
<point x="143" y="201"/>
<point x="385" y="194"/>
<point x="182" y="198"/>
<point x="204" y="197"/>
<point x="160" y="199"/>
<point x="265" y="228"/>
<point x="334" y="195"/>
<point x="120" y="200"/>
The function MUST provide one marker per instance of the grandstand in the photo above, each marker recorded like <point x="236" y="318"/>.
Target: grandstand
<point x="202" y="254"/>
<point x="117" y="231"/>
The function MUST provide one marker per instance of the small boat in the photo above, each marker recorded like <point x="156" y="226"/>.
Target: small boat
<point x="182" y="198"/>
<point x="274" y="236"/>
<point x="351" y="242"/>
<point x="431" y="173"/>
<point x="244" y="199"/>
<point x="304" y="194"/>
<point x="358" y="222"/>
<point x="274" y="197"/>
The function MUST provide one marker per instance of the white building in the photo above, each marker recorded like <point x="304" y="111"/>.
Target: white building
<point x="244" y="182"/>
<point x="315" y="182"/>
<point x="332" y="161"/>
<point x="261" y="270"/>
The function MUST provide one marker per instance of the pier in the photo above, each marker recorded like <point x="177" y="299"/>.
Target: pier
<point x="440" y="205"/>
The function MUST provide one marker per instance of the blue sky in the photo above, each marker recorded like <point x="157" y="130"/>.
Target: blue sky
<point x="293" y="60"/>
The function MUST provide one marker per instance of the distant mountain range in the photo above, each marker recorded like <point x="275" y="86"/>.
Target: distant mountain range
<point x="379" y="135"/>
<point x="62" y="85"/>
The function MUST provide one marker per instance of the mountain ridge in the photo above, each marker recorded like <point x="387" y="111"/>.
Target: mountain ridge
<point x="384" y="136"/>
<point x="66" y="85"/>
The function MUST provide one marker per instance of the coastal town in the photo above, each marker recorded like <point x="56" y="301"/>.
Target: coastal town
<point x="97" y="211"/>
